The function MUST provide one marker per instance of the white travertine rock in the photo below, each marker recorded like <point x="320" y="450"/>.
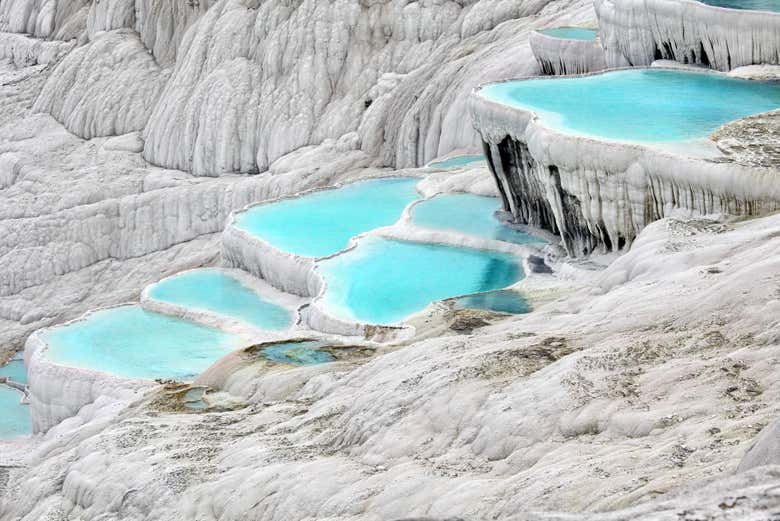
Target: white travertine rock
<point x="264" y="80"/>
<point x="285" y="271"/>
<point x="765" y="450"/>
<point x="23" y="51"/>
<point x="130" y="142"/>
<point x="576" y="407"/>
<point x="561" y="56"/>
<point x="162" y="24"/>
<point x="55" y="19"/>
<point x="600" y="194"/>
<point x="757" y="72"/>
<point x="58" y="392"/>
<point x="104" y="88"/>
<point x="637" y="32"/>
<point x="109" y="15"/>
<point x="654" y="373"/>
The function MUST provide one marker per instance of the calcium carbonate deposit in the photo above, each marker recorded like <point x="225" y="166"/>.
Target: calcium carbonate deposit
<point x="389" y="260"/>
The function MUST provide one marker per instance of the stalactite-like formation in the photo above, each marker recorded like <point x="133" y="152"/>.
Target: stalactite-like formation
<point x="561" y="56"/>
<point x="638" y="32"/>
<point x="599" y="195"/>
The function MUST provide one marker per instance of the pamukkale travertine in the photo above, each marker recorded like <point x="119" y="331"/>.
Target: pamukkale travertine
<point x="224" y="313"/>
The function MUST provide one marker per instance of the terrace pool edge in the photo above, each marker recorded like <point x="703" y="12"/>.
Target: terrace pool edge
<point x="552" y="164"/>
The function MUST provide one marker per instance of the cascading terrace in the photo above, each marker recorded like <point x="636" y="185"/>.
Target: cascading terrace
<point x="596" y="158"/>
<point x="329" y="262"/>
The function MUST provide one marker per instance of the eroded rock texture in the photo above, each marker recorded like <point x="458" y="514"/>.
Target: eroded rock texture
<point x="637" y="32"/>
<point x="561" y="56"/>
<point x="601" y="194"/>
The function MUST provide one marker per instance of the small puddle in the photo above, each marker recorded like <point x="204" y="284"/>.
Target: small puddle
<point x="298" y="353"/>
<point x="501" y="301"/>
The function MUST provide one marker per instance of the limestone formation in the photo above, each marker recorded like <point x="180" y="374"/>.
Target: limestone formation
<point x="642" y="386"/>
<point x="563" y="56"/>
<point x="637" y="32"/>
<point x="599" y="194"/>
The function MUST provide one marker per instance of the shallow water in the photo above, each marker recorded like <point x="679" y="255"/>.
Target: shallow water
<point x="135" y="343"/>
<point x="467" y="213"/>
<point x="385" y="281"/>
<point x="298" y="353"/>
<point x="215" y="291"/>
<point x="571" y="33"/>
<point x="457" y="161"/>
<point x="15" y="370"/>
<point x="15" y="417"/>
<point x="501" y="301"/>
<point x="639" y="105"/>
<point x="321" y="223"/>
<point x="755" y="5"/>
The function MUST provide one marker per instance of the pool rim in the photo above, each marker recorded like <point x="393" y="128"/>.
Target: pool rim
<point x="733" y="10"/>
<point x="40" y="351"/>
<point x="403" y="324"/>
<point x="534" y="117"/>
<point x="540" y="33"/>
<point x="225" y="323"/>
<point x="231" y="220"/>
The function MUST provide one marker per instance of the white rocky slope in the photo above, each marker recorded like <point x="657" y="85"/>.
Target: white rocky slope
<point x="657" y="374"/>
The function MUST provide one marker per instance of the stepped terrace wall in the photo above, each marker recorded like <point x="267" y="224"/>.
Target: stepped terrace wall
<point x="638" y="32"/>
<point x="598" y="194"/>
<point x="560" y="55"/>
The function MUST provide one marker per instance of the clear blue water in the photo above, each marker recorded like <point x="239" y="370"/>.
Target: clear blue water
<point x="571" y="33"/>
<point x="215" y="291"/>
<point x="15" y="417"/>
<point x="639" y="105"/>
<point x="15" y="370"/>
<point x="321" y="224"/>
<point x="298" y="353"/>
<point x="755" y="5"/>
<point x="384" y="281"/>
<point x="469" y="214"/>
<point x="135" y="343"/>
<point x="456" y="161"/>
<point x="502" y="301"/>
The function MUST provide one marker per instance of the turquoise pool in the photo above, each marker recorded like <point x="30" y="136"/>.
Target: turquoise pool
<point x="15" y="417"/>
<point x="642" y="105"/>
<point x="298" y="353"/>
<point x="215" y="291"/>
<point x="753" y="5"/>
<point x="15" y="370"/>
<point x="501" y="301"/>
<point x="571" y="33"/>
<point x="384" y="281"/>
<point x="135" y="343"/>
<point x="457" y="161"/>
<point x="469" y="214"/>
<point x="321" y="223"/>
